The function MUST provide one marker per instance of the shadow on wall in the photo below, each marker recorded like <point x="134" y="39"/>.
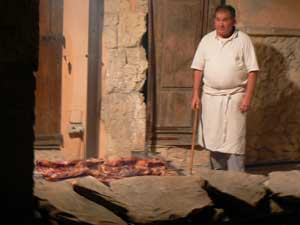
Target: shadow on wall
<point x="273" y="125"/>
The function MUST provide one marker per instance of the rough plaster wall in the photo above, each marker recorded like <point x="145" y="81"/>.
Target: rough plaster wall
<point x="267" y="13"/>
<point x="273" y="132"/>
<point x="123" y="112"/>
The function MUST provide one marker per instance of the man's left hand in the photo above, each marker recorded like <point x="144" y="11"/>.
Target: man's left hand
<point x="245" y="104"/>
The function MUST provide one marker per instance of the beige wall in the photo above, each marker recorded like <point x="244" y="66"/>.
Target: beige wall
<point x="74" y="74"/>
<point x="268" y="13"/>
<point x="274" y="121"/>
<point x="123" y="111"/>
<point x="273" y="132"/>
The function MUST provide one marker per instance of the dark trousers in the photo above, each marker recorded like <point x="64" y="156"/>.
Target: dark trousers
<point x="225" y="161"/>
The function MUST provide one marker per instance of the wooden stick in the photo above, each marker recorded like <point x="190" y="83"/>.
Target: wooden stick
<point x="193" y="140"/>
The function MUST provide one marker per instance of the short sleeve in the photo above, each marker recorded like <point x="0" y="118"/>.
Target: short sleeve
<point x="250" y="58"/>
<point x="199" y="57"/>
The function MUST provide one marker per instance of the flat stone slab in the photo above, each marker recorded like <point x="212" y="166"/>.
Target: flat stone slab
<point x="284" y="183"/>
<point x="248" y="188"/>
<point x="64" y="204"/>
<point x="152" y="199"/>
<point x="285" y="188"/>
<point x="242" y="196"/>
<point x="96" y="191"/>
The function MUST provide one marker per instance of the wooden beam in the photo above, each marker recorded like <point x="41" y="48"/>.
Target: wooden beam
<point x="94" y="78"/>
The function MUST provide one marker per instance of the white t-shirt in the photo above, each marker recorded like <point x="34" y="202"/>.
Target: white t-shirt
<point x="225" y="61"/>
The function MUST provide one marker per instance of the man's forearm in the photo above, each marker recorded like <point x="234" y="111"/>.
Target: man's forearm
<point x="250" y="85"/>
<point x="197" y="82"/>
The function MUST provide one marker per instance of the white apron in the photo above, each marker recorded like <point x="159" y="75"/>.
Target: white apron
<point x="222" y="126"/>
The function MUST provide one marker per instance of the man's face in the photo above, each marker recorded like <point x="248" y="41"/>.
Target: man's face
<point x="224" y="23"/>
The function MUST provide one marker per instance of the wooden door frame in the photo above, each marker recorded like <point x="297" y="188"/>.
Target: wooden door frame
<point x="94" y="77"/>
<point x="210" y="6"/>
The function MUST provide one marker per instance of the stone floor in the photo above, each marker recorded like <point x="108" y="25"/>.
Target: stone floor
<point x="52" y="155"/>
<point x="180" y="158"/>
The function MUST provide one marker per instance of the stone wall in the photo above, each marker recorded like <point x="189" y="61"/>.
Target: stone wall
<point x="123" y="113"/>
<point x="273" y="132"/>
<point x="274" y="120"/>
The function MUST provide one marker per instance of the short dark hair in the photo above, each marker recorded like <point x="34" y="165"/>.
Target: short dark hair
<point x="227" y="8"/>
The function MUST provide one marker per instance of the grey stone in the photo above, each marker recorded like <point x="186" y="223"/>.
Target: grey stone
<point x="137" y="56"/>
<point x="284" y="183"/>
<point x="117" y="58"/>
<point x="96" y="191"/>
<point x="124" y="117"/>
<point x="64" y="204"/>
<point x="285" y="188"/>
<point x="124" y="73"/>
<point x="132" y="26"/>
<point x="110" y="37"/>
<point x="112" y="6"/>
<point x="155" y="199"/>
<point x="247" y="188"/>
<point x="242" y="196"/>
<point x="110" y="19"/>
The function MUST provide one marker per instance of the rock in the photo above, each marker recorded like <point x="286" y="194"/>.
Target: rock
<point x="285" y="188"/>
<point x="124" y="118"/>
<point x="245" y="187"/>
<point x="275" y="208"/>
<point x="65" y="205"/>
<point x="110" y="36"/>
<point x="110" y="19"/>
<point x="94" y="190"/>
<point x="284" y="183"/>
<point x="241" y="195"/>
<point x="124" y="66"/>
<point x="131" y="27"/>
<point x="111" y="6"/>
<point x="154" y="198"/>
<point x="158" y="200"/>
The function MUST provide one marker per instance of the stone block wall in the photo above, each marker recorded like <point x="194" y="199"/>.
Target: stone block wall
<point x="273" y="132"/>
<point x="123" y="112"/>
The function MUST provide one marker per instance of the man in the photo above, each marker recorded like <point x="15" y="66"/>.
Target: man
<point x="225" y="71"/>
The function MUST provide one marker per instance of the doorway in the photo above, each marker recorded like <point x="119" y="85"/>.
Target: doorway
<point x="175" y="29"/>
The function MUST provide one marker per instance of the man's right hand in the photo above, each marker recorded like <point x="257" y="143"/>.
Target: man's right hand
<point x="196" y="103"/>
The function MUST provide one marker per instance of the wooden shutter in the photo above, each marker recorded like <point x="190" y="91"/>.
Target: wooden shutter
<point x="48" y="77"/>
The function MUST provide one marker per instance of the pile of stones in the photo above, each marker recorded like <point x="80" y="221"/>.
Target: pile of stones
<point x="209" y="197"/>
